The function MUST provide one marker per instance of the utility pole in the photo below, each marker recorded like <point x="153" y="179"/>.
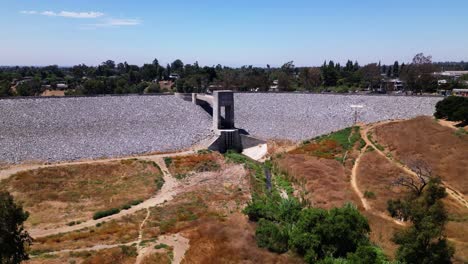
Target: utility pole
<point x="356" y="107"/>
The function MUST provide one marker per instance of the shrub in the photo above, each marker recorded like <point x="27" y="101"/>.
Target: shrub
<point x="72" y="223"/>
<point x="162" y="245"/>
<point x="369" y="194"/>
<point x="101" y="214"/>
<point x="159" y="182"/>
<point x="136" y="202"/>
<point x="129" y="251"/>
<point x="272" y="236"/>
<point x="126" y="206"/>
<point x="168" y="161"/>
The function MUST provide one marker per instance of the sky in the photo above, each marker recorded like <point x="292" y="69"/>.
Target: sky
<point x="231" y="32"/>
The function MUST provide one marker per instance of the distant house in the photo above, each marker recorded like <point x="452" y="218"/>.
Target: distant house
<point x="174" y="76"/>
<point x="460" y="92"/>
<point x="274" y="87"/>
<point x="62" y="86"/>
<point x="391" y="85"/>
<point x="452" y="74"/>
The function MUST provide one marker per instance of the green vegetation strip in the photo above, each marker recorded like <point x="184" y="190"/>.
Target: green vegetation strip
<point x="339" y="235"/>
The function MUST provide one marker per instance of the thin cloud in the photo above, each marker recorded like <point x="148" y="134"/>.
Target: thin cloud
<point x="100" y="22"/>
<point x="69" y="14"/>
<point x="28" y="12"/>
<point x="115" y="22"/>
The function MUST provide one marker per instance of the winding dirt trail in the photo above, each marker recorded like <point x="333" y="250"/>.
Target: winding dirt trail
<point x="354" y="184"/>
<point x="364" y="202"/>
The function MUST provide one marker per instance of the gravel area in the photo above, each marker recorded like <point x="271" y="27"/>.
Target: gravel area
<point x="58" y="129"/>
<point x="304" y="116"/>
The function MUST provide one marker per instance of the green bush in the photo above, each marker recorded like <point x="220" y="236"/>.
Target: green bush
<point x="129" y="251"/>
<point x="136" y="202"/>
<point x="162" y="245"/>
<point x="369" y="194"/>
<point x="168" y="161"/>
<point x="101" y="214"/>
<point x="159" y="182"/>
<point x="126" y="207"/>
<point x="271" y="236"/>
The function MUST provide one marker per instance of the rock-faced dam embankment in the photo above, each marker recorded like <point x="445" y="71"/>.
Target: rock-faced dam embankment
<point x="57" y="129"/>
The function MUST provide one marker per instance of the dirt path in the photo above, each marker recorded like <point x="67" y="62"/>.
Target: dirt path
<point x="167" y="193"/>
<point x="140" y="249"/>
<point x="179" y="243"/>
<point x="355" y="187"/>
<point x="364" y="202"/>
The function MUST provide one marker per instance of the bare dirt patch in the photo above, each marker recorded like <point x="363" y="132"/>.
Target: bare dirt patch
<point x="68" y="194"/>
<point x="424" y="139"/>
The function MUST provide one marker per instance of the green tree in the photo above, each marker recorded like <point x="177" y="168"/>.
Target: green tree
<point x="396" y="70"/>
<point x="418" y="75"/>
<point x="424" y="241"/>
<point x="29" y="87"/>
<point x="453" y="108"/>
<point x="5" y="89"/>
<point x="370" y="75"/>
<point x="177" y="66"/>
<point x="329" y="74"/>
<point x="13" y="237"/>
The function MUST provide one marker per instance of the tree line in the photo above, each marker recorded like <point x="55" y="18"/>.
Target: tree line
<point x="121" y="78"/>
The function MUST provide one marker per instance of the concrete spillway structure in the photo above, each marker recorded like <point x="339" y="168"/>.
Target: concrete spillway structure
<point x="222" y="104"/>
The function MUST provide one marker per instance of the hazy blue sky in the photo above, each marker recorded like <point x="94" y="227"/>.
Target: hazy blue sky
<point x="237" y="32"/>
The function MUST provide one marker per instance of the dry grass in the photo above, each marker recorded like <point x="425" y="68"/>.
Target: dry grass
<point x="157" y="258"/>
<point x="119" y="231"/>
<point x="190" y="209"/>
<point x="58" y="195"/>
<point x="382" y="231"/>
<point x="376" y="174"/>
<point x="117" y="255"/>
<point x="183" y="166"/>
<point x="424" y="139"/>
<point x="208" y="195"/>
<point x="323" y="182"/>
<point x="229" y="241"/>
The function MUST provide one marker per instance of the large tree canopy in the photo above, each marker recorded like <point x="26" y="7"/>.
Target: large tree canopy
<point x="13" y="237"/>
